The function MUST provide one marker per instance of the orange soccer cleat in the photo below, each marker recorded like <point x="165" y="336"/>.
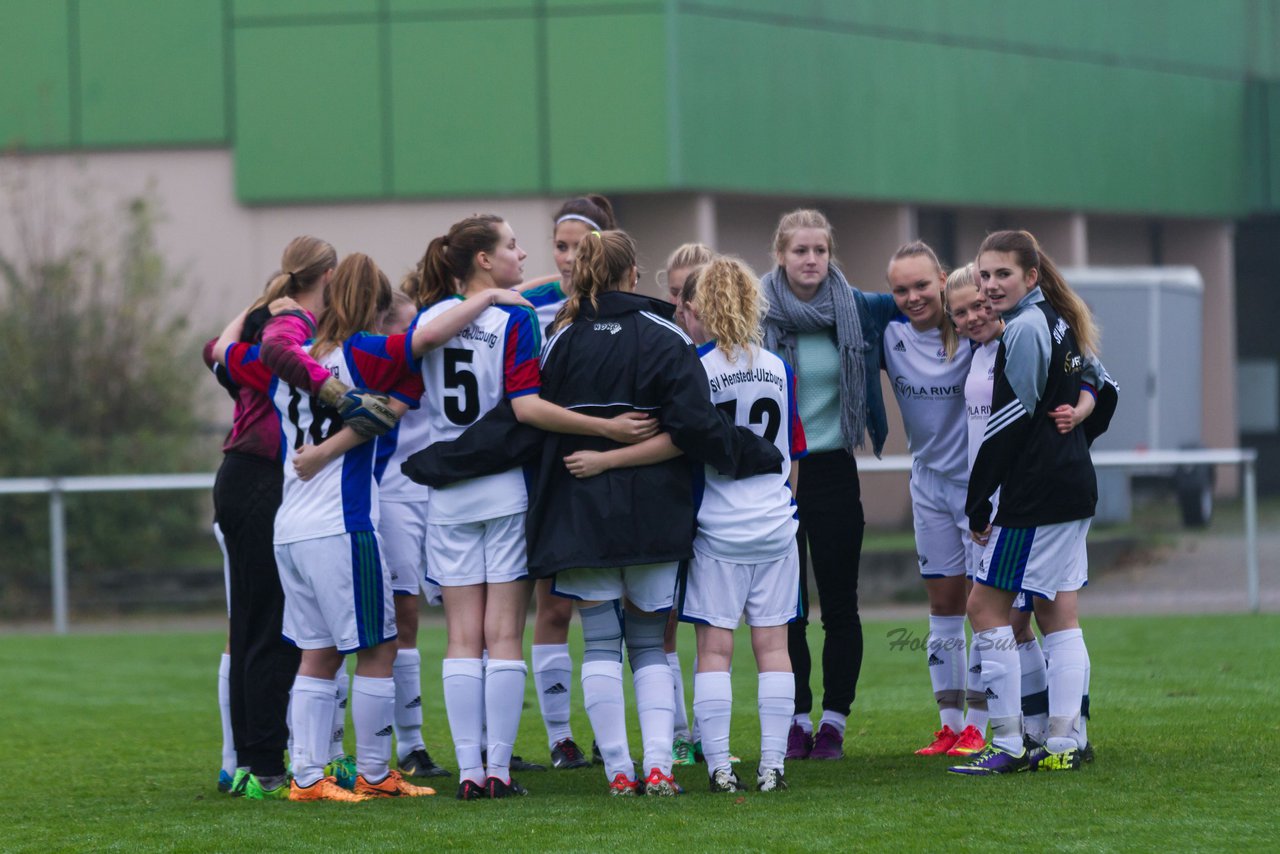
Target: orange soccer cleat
<point x="391" y="786"/>
<point x="324" y="789"/>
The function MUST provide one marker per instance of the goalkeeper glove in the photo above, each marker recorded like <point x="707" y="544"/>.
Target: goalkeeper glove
<point x="364" y="411"/>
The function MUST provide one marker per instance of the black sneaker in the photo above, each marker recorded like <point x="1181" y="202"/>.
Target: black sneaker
<point x="495" y="788"/>
<point x="420" y="764"/>
<point x="518" y="763"/>
<point x="470" y="790"/>
<point x="724" y="780"/>
<point x="567" y="754"/>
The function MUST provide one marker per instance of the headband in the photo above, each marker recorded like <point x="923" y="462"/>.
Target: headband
<point x="578" y="218"/>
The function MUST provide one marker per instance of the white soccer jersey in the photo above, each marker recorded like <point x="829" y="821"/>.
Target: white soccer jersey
<point x="409" y="436"/>
<point x="495" y="356"/>
<point x="978" y="386"/>
<point x="343" y="497"/>
<point x="751" y="520"/>
<point x="930" y="393"/>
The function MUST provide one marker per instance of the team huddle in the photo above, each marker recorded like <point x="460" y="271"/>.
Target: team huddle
<point x="478" y="440"/>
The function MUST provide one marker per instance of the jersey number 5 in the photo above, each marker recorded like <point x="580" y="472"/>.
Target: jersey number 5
<point x="764" y="412"/>
<point x="462" y="407"/>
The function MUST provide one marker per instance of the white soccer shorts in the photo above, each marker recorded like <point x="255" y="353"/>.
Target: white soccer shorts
<point x="402" y="526"/>
<point x="1044" y="560"/>
<point x="487" y="552"/>
<point x="719" y="593"/>
<point x="650" y="586"/>
<point x="337" y="593"/>
<point x="941" y="526"/>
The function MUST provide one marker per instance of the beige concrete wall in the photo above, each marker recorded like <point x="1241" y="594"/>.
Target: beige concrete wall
<point x="1208" y="246"/>
<point x="1120" y="242"/>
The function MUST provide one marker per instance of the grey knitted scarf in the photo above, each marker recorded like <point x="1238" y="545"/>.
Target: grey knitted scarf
<point x="833" y="305"/>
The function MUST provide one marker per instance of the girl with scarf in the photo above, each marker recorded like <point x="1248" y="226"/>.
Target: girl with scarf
<point x="829" y="332"/>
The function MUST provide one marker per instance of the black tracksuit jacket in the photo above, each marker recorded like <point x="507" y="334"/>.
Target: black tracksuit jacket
<point x="1044" y="477"/>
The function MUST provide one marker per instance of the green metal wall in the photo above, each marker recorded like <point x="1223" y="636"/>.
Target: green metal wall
<point x="1128" y="105"/>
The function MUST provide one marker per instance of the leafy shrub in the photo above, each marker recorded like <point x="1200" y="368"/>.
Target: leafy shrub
<point x="97" y="366"/>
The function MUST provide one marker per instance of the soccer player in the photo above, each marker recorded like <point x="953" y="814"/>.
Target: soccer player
<point x="246" y="495"/>
<point x="928" y="378"/>
<point x="475" y="528"/>
<point x="403" y="530"/>
<point x="552" y="666"/>
<point x="1048" y="494"/>
<point x="829" y="332"/>
<point x="745" y="556"/>
<point x="337" y="594"/>
<point x="686" y="749"/>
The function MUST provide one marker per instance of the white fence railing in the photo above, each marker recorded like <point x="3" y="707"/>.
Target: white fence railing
<point x="57" y="487"/>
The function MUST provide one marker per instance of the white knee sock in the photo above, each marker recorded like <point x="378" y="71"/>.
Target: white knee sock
<point x="946" y="658"/>
<point x="680" y="726"/>
<point x="407" y="672"/>
<point x="373" y="707"/>
<point x="1082" y="729"/>
<point x="1001" y="676"/>
<point x="655" y="699"/>
<point x="553" y="680"/>
<point x="313" y="703"/>
<point x="338" y="726"/>
<point x="602" y="695"/>
<point x="975" y="714"/>
<point x="1068" y="660"/>
<point x="464" y="704"/>
<point x="503" y="703"/>
<point x="1034" y="685"/>
<point x="713" y="710"/>
<point x="224" y="712"/>
<point x="776" y="701"/>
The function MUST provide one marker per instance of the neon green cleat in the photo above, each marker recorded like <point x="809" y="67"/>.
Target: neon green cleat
<point x="255" y="791"/>
<point x="343" y="770"/>
<point x="238" y="783"/>
<point x="1043" y="759"/>
<point x="682" y="752"/>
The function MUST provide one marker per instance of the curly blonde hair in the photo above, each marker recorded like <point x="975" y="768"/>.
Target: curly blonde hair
<point x="728" y="300"/>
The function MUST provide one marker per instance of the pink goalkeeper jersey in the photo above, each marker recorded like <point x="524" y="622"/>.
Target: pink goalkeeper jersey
<point x="343" y="496"/>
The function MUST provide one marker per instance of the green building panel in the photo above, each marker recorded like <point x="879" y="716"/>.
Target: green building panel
<point x="309" y="123"/>
<point x="778" y="110"/>
<point x="607" y="103"/>
<point x="1212" y="37"/>
<point x="462" y="8"/>
<point x="265" y="11"/>
<point x="152" y="73"/>
<point x="35" y="67"/>
<point x="1134" y="106"/>
<point x="464" y="108"/>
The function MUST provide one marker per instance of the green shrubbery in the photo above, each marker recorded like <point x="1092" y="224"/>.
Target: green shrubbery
<point x="97" y="366"/>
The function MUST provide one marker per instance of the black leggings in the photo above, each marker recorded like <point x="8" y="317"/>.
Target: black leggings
<point x="246" y="495"/>
<point x="829" y="503"/>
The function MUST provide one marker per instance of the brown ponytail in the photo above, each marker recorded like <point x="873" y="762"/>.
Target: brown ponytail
<point x="603" y="262"/>
<point x="304" y="261"/>
<point x="450" y="259"/>
<point x="358" y="294"/>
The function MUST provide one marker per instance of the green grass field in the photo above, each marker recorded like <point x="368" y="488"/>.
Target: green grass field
<point x="112" y="744"/>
